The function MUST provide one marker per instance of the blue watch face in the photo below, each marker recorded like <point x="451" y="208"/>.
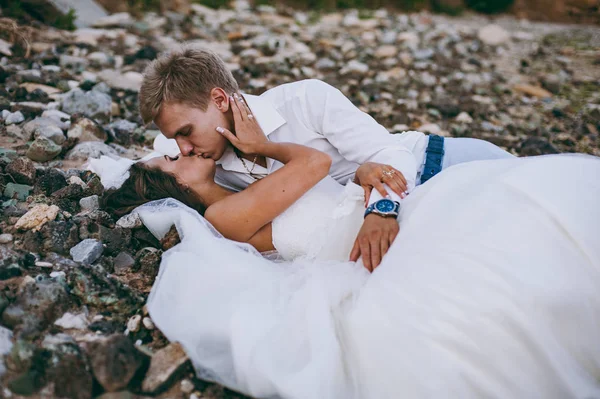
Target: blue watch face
<point x="385" y="205"/>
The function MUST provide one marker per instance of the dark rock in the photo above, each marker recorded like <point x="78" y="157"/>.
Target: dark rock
<point x="22" y="170"/>
<point x="49" y="181"/>
<point x="122" y="131"/>
<point x="537" y="146"/>
<point x="104" y="326"/>
<point x="54" y="236"/>
<point x="145" y="53"/>
<point x="170" y="239"/>
<point x="38" y="304"/>
<point x="69" y="371"/>
<point x="94" y="186"/>
<point x="72" y="192"/>
<point x="114" y="361"/>
<point x="95" y="288"/>
<point x="447" y="107"/>
<point x="148" y="261"/>
<point x="123" y="262"/>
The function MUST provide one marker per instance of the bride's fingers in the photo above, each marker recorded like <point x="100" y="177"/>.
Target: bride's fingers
<point x="235" y="108"/>
<point x="246" y="107"/>
<point x="379" y="187"/>
<point x="396" y="187"/>
<point x="228" y="135"/>
<point x="239" y="101"/>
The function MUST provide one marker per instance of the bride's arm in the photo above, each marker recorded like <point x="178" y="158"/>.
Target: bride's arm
<point x="242" y="215"/>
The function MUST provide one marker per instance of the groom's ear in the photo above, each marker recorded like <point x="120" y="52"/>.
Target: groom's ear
<point x="220" y="98"/>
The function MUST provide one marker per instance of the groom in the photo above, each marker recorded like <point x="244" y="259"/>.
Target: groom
<point x="187" y="94"/>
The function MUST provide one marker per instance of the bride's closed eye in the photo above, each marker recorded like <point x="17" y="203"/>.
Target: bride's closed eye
<point x="171" y="159"/>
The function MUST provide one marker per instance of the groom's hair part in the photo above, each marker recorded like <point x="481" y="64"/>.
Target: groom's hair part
<point x="146" y="184"/>
<point x="185" y="75"/>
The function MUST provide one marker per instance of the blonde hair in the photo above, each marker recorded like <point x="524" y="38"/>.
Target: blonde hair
<point x="185" y="75"/>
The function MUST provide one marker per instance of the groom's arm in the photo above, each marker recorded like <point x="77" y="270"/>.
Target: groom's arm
<point x="356" y="135"/>
<point x="359" y="138"/>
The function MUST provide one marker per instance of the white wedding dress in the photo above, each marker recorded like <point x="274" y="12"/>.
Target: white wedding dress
<point x="490" y="290"/>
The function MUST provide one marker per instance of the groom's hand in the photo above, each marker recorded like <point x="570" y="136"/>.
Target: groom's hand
<point x="374" y="239"/>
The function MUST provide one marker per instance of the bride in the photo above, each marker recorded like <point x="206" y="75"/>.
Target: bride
<point x="489" y="290"/>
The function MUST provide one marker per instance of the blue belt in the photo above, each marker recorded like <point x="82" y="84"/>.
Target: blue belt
<point x="433" y="157"/>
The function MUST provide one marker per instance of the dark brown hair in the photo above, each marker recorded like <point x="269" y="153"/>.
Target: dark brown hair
<point x="146" y="184"/>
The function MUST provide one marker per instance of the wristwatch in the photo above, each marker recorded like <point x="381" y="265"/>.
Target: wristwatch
<point x="384" y="207"/>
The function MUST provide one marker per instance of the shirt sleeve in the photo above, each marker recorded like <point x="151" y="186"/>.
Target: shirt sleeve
<point x="357" y="136"/>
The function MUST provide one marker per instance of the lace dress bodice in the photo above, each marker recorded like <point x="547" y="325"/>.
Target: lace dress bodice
<point x="322" y="224"/>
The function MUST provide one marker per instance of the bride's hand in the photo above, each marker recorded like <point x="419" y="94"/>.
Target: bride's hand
<point x="248" y="133"/>
<point x="372" y="175"/>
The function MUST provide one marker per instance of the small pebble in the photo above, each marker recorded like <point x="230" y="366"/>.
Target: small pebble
<point x="6" y="238"/>
<point x="148" y="323"/>
<point x="133" y="325"/>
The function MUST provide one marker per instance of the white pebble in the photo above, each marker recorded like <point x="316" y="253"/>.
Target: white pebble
<point x="186" y="386"/>
<point x="5" y="238"/>
<point x="148" y="323"/>
<point x="133" y="325"/>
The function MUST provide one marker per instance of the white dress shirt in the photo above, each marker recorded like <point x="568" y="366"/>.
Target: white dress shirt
<point x="313" y="113"/>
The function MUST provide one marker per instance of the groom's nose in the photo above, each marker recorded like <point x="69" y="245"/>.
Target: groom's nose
<point x="185" y="147"/>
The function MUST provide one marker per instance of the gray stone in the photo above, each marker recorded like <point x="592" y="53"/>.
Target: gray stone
<point x="123" y="262"/>
<point x="62" y="119"/>
<point x="131" y="81"/>
<point x="87" y="251"/>
<point x="164" y="366"/>
<point x="90" y="149"/>
<point x="493" y="35"/>
<point x="130" y="221"/>
<point x="84" y="129"/>
<point x="51" y="132"/>
<point x="102" y="88"/>
<point x="30" y="127"/>
<point x="14" y="118"/>
<point x="86" y="11"/>
<point x="43" y="150"/>
<point x="423" y="54"/>
<point x="90" y="203"/>
<point x="18" y="191"/>
<point x="5" y="347"/>
<point x="122" y="131"/>
<point x="6" y="238"/>
<point x="78" y="64"/>
<point x="325" y="63"/>
<point x="38" y="304"/>
<point x="92" y="104"/>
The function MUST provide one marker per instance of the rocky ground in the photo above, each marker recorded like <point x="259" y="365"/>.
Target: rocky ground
<point x="73" y="279"/>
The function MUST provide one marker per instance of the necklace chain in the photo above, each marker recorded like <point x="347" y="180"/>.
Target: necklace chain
<point x="251" y="169"/>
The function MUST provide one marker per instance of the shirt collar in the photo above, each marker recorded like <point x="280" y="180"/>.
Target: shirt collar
<point x="269" y="120"/>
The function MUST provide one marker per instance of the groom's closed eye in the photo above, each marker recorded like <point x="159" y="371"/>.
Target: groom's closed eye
<point x="183" y="131"/>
